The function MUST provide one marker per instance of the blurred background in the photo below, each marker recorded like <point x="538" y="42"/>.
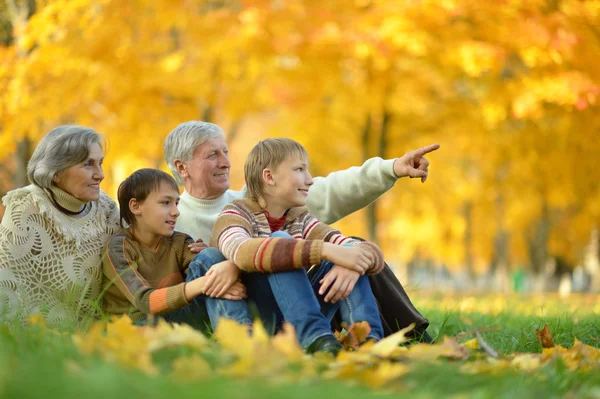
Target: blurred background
<point x="509" y="88"/>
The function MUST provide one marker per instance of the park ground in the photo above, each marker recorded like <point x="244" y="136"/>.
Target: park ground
<point x="487" y="346"/>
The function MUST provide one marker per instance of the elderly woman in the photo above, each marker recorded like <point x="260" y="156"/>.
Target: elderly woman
<point x="53" y="230"/>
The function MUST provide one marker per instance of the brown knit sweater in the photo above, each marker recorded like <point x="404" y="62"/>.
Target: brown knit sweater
<point x="242" y="233"/>
<point x="141" y="281"/>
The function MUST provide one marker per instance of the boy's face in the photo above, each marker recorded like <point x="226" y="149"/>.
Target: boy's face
<point x="158" y="213"/>
<point x="292" y="182"/>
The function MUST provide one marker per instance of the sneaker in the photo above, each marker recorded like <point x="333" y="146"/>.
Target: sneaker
<point x="326" y="344"/>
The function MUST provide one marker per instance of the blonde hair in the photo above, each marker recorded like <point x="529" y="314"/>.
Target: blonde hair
<point x="269" y="153"/>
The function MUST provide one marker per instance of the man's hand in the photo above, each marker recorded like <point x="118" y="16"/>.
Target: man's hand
<point x="198" y="246"/>
<point x="352" y="258"/>
<point x="414" y="164"/>
<point x="340" y="282"/>
<point x="220" y="278"/>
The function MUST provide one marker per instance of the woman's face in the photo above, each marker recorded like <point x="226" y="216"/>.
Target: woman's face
<point x="82" y="181"/>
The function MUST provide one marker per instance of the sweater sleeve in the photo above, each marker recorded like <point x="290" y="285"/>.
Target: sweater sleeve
<point x="315" y="230"/>
<point x="233" y="236"/>
<point x="120" y="266"/>
<point x="341" y="193"/>
<point x="186" y="255"/>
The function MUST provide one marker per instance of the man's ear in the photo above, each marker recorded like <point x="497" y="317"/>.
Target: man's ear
<point x="181" y="168"/>
<point x="134" y="206"/>
<point x="267" y="175"/>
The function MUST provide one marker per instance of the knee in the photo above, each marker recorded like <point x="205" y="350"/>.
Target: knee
<point x="209" y="257"/>
<point x="281" y="234"/>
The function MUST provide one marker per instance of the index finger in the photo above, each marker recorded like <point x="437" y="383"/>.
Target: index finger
<point x="424" y="150"/>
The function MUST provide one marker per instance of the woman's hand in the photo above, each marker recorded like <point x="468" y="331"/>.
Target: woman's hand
<point x="340" y="282"/>
<point x="352" y="258"/>
<point x="220" y="278"/>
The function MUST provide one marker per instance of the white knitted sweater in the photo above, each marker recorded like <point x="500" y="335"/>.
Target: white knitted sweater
<point x="50" y="261"/>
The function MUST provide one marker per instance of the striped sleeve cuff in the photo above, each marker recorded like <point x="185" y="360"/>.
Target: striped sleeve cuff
<point x="378" y="261"/>
<point x="167" y="299"/>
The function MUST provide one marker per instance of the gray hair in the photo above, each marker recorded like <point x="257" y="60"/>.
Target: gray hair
<point x="183" y="140"/>
<point x="58" y="150"/>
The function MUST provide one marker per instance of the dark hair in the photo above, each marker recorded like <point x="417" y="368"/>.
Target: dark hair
<point x="139" y="185"/>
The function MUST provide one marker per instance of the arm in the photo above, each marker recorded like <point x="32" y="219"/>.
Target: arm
<point x="344" y="192"/>
<point x="315" y="230"/>
<point x="121" y="268"/>
<point x="232" y="235"/>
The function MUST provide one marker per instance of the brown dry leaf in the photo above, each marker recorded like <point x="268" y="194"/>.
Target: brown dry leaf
<point x="355" y="335"/>
<point x="544" y="336"/>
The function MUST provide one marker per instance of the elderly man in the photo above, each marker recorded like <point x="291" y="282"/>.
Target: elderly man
<point x="197" y="154"/>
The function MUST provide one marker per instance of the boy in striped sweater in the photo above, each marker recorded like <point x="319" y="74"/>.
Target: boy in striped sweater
<point x="149" y="269"/>
<point x="271" y="236"/>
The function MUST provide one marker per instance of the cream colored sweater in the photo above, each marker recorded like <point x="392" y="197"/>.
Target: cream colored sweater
<point x="50" y="262"/>
<point x="329" y="199"/>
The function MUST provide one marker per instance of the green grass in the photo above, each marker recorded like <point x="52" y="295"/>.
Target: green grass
<point x="35" y="363"/>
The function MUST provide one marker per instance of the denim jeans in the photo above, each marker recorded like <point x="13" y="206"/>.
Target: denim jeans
<point x="293" y="297"/>
<point x="203" y="309"/>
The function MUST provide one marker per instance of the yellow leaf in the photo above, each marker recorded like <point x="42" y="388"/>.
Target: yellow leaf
<point x="389" y="345"/>
<point x="526" y="361"/>
<point x="472" y="344"/>
<point x="286" y="343"/>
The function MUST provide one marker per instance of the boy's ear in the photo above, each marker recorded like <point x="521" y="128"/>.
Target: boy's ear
<point x="267" y="176"/>
<point x="181" y="168"/>
<point x="134" y="206"/>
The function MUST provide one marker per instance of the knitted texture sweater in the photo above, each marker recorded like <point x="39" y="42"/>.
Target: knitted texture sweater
<point x="142" y="281"/>
<point x="50" y="261"/>
<point x="242" y="234"/>
<point x="330" y="198"/>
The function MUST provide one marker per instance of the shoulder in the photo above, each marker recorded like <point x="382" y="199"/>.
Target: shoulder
<point x="244" y="207"/>
<point x="118" y="240"/>
<point x="181" y="238"/>
<point x="299" y="214"/>
<point x="30" y="195"/>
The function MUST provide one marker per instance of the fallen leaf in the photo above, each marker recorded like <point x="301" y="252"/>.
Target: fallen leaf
<point x="390" y="345"/>
<point x="544" y="336"/>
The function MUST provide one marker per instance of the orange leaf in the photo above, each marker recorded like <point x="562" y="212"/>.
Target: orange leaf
<point x="544" y="336"/>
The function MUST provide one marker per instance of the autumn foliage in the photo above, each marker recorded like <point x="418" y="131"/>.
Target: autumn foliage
<point x="509" y="88"/>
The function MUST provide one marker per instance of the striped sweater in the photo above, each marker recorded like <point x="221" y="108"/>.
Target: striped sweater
<point x="242" y="233"/>
<point x="140" y="281"/>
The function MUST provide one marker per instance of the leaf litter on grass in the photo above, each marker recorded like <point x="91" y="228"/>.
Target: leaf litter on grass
<point x="234" y="352"/>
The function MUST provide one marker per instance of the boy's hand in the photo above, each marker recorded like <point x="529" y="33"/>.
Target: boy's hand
<point x="236" y="292"/>
<point x="352" y="258"/>
<point x="340" y="282"/>
<point x="220" y="277"/>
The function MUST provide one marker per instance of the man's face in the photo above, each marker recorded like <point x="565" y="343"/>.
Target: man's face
<point x="206" y="175"/>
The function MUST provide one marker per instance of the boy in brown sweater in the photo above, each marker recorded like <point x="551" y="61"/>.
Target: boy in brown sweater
<point x="149" y="269"/>
<point x="272" y="232"/>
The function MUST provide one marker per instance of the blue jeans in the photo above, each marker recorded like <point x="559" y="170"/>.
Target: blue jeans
<point x="293" y="297"/>
<point x="203" y="308"/>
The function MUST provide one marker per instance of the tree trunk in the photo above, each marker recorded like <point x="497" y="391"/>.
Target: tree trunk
<point x="22" y="156"/>
<point x="538" y="241"/>
<point x="468" y="238"/>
